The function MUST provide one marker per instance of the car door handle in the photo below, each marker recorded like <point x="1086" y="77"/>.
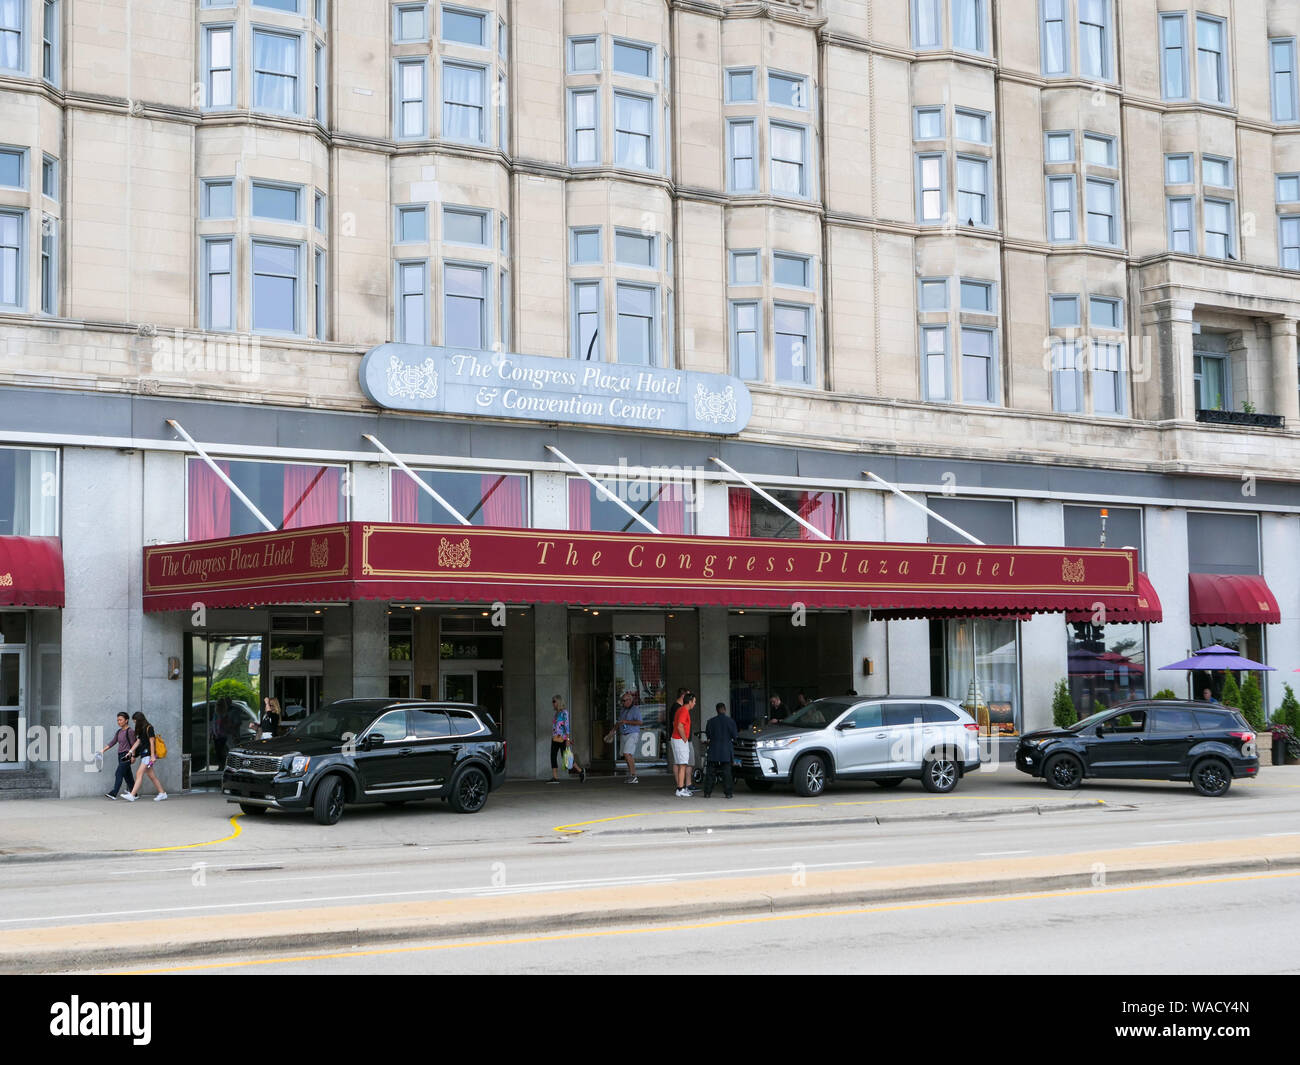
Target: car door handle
<point x="406" y="750"/>
<point x="881" y="735"/>
<point x="456" y="747"/>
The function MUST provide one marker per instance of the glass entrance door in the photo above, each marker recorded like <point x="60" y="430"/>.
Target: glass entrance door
<point x="298" y="693"/>
<point x="13" y="706"/>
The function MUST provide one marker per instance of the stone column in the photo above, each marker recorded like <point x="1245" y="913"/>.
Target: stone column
<point x="866" y="522"/>
<point x="1172" y="393"/>
<point x="369" y="649"/>
<point x="550" y="677"/>
<point x="1286" y="380"/>
<point x="908" y="643"/>
<point x="1166" y="561"/>
<point x="1043" y="657"/>
<point x="713" y="510"/>
<point x="715" y="665"/>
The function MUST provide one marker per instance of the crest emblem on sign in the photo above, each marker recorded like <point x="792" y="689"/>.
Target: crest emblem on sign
<point x="1073" y="572"/>
<point x="320" y="554"/>
<point x="412" y="382"/>
<point x="453" y="555"/>
<point x="716" y="407"/>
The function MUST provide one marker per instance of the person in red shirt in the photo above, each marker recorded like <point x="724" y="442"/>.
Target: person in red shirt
<point x="681" y="741"/>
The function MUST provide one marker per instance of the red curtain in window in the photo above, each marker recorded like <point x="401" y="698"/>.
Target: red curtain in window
<point x="818" y="509"/>
<point x="672" y="509"/>
<point x="209" y="502"/>
<point x="405" y="505"/>
<point x="579" y="504"/>
<point x="503" y="500"/>
<point x="311" y="496"/>
<point x="738" y="505"/>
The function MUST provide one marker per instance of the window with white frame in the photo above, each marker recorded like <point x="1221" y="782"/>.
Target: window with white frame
<point x="1055" y="34"/>
<point x="1060" y="209"/>
<point x="584" y="142"/>
<point x="49" y="303"/>
<point x="927" y="23"/>
<point x="1107" y="376"/>
<point x="409" y="84"/>
<point x="50" y="178"/>
<point x="742" y="171"/>
<point x="1058" y="147"/>
<point x="634" y="249"/>
<point x="464" y="102"/>
<point x="1099" y="150"/>
<point x="318" y="291"/>
<point x="928" y="124"/>
<point x="934" y="356"/>
<point x="412" y="224"/>
<point x="585" y="245"/>
<point x="969" y="30"/>
<point x="13" y="225"/>
<point x="972" y="126"/>
<point x="217" y="311"/>
<point x="746" y="267"/>
<point x="1174" y="72"/>
<point x="1182" y="224"/>
<point x="787" y="90"/>
<point x="465" y="225"/>
<point x="1067" y="377"/>
<point x="219" y="66"/>
<point x="634" y="59"/>
<point x="930" y="193"/>
<point x="1219" y="229"/>
<point x="465" y="303"/>
<point x="634" y="117"/>
<point x="410" y="23"/>
<point x="793" y="342"/>
<point x="973" y="199"/>
<point x="636" y="310"/>
<point x="319" y="212"/>
<point x="277" y="66"/>
<point x="586" y="320"/>
<point x="1211" y="59"/>
<point x="1282" y="74"/>
<point x="1094" y="39"/>
<point x="584" y="55"/>
<point x="11" y="36"/>
<point x="1103" y="222"/>
<point x="13" y="168"/>
<point x="932" y="294"/>
<point x="1209" y="69"/>
<point x="217" y="198"/>
<point x="977" y="296"/>
<point x="1288" y="188"/>
<point x="1178" y="170"/>
<point x="412" y="324"/>
<point x="503" y="310"/>
<point x="789" y="148"/>
<point x="978" y="366"/>
<point x="50" y="58"/>
<point x="275" y="202"/>
<point x="464" y="26"/>
<point x="277" y="286"/>
<point x="292" y="7"/>
<point x="742" y="86"/>
<point x="746" y="340"/>
<point x="1289" y="241"/>
<point x="1216" y="171"/>
<point x="321" y="92"/>
<point x="792" y="271"/>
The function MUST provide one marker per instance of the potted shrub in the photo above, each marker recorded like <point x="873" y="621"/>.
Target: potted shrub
<point x="1231" y="695"/>
<point x="1252" y="702"/>
<point x="1286" y="745"/>
<point x="1063" y="712"/>
<point x="1165" y="693"/>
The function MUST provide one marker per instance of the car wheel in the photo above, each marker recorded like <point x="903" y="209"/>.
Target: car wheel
<point x="327" y="807"/>
<point x="469" y="791"/>
<point x="251" y="810"/>
<point x="1064" y="772"/>
<point x="758" y="785"/>
<point x="889" y="782"/>
<point x="810" y="776"/>
<point x="939" y="774"/>
<point x="1212" y="777"/>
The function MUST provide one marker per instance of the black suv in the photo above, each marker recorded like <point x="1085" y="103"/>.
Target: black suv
<point x="371" y="750"/>
<point x="1148" y="739"/>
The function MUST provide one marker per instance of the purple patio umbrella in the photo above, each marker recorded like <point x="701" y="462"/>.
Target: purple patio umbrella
<point x="1219" y="657"/>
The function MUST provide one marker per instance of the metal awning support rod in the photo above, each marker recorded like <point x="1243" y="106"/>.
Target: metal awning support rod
<point x="235" y="490"/>
<point x="418" y="480"/>
<point x="775" y="502"/>
<point x="604" y="492"/>
<point x="917" y="503"/>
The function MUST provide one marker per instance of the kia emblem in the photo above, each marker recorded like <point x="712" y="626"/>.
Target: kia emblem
<point x="246" y="763"/>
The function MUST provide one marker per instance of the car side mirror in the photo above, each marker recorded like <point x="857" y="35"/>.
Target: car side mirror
<point x="846" y="725"/>
<point x="1101" y="730"/>
<point x="375" y="739"/>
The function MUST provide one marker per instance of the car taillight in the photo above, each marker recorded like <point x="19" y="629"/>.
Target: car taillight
<point x="971" y="726"/>
<point x="1245" y="737"/>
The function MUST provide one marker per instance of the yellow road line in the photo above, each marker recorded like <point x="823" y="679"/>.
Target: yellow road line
<point x="728" y="923"/>
<point x="234" y="823"/>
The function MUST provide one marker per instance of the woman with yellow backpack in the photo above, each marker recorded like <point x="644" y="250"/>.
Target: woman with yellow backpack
<point x="149" y="748"/>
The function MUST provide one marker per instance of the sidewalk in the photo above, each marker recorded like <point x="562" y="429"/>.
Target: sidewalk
<point x="53" y="829"/>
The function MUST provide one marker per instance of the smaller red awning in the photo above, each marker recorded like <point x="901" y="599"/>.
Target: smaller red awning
<point x="1231" y="599"/>
<point x="1145" y="606"/>
<point x="31" y="571"/>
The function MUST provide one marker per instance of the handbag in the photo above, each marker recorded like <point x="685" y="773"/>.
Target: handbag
<point x="159" y="747"/>
<point x="566" y="756"/>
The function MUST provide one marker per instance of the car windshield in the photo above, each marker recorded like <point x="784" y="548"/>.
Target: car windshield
<point x="333" y="723"/>
<point x="817" y="714"/>
<point x="1093" y="719"/>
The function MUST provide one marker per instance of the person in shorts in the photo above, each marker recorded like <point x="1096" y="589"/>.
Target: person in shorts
<point x="681" y="744"/>
<point x="629" y="732"/>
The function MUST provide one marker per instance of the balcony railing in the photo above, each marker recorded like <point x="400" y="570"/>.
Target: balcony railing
<point x="1241" y="417"/>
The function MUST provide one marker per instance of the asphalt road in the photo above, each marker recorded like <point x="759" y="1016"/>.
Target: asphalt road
<point x="387" y="866"/>
<point x="1211" y="926"/>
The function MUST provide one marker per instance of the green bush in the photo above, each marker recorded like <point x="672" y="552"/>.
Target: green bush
<point x="1231" y="693"/>
<point x="1063" y="711"/>
<point x="1290" y="709"/>
<point x="1252" y="702"/>
<point x="1165" y="693"/>
<point x="230" y="688"/>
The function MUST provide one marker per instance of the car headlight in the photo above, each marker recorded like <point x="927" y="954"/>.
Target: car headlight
<point x="299" y="763"/>
<point x="772" y="745"/>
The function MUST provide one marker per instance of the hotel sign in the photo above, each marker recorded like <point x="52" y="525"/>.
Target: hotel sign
<point x="439" y="563"/>
<point x="506" y="385"/>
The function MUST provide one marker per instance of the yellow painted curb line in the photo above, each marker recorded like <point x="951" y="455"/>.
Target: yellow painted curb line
<point x="234" y="823"/>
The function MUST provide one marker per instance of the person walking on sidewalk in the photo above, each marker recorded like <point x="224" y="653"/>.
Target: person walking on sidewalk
<point x="146" y="743"/>
<point x="124" y="741"/>
<point x="562" y="738"/>
<point x="681" y="744"/>
<point x="629" y="729"/>
<point x="722" y="732"/>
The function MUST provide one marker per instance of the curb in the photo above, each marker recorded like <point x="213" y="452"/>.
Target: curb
<point x="749" y="903"/>
<point x="871" y="819"/>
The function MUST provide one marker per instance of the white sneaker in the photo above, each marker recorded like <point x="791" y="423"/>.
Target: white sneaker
<point x="633" y="780"/>
<point x="129" y="797"/>
<point x="160" y="796"/>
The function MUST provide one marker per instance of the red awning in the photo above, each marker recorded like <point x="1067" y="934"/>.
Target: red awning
<point x="1145" y="606"/>
<point x="1231" y="599"/>
<point x="31" y="571"/>
<point x="440" y="563"/>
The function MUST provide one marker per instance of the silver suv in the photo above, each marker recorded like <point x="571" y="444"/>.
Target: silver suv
<point x="885" y="738"/>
